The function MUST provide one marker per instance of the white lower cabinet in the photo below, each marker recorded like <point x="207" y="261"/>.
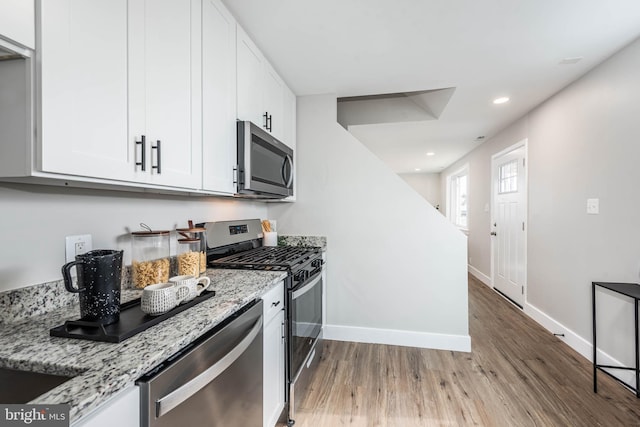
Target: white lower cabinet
<point x="274" y="355"/>
<point x="122" y="410"/>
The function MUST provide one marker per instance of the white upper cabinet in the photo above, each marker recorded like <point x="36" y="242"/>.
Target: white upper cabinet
<point x="165" y="89"/>
<point x="250" y="80"/>
<point x="218" y="97"/>
<point x="83" y="90"/>
<point x="274" y="90"/>
<point x="289" y="134"/>
<point x="261" y="91"/>
<point x="133" y="93"/>
<point x="17" y="21"/>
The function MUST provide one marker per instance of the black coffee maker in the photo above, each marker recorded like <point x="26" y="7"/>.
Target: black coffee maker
<point x="99" y="278"/>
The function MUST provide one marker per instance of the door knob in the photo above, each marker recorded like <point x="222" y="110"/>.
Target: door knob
<point x="493" y="233"/>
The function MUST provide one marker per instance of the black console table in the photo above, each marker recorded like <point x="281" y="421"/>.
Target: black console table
<point x="631" y="290"/>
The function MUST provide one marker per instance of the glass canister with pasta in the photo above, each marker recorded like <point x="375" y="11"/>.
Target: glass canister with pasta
<point x="189" y="257"/>
<point x="191" y="247"/>
<point x="150" y="257"/>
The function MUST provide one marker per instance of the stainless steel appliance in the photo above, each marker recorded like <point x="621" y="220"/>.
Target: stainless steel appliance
<point x="265" y="165"/>
<point x="215" y="381"/>
<point x="238" y="245"/>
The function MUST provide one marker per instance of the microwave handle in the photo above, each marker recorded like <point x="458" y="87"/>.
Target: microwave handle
<point x="289" y="178"/>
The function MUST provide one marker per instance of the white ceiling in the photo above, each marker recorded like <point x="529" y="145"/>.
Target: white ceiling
<point x="482" y="48"/>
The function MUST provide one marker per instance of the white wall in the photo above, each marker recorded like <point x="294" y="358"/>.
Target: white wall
<point x="396" y="269"/>
<point x="34" y="221"/>
<point x="427" y="185"/>
<point x="583" y="143"/>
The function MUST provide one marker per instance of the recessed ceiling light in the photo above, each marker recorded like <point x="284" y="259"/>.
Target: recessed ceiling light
<point x="501" y="100"/>
<point x="417" y="169"/>
<point x="431" y="153"/>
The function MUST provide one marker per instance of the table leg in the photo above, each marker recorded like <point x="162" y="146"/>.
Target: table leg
<point x="595" y="348"/>
<point x="637" y="355"/>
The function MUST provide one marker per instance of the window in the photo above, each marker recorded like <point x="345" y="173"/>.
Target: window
<point x="458" y="197"/>
<point x="508" y="177"/>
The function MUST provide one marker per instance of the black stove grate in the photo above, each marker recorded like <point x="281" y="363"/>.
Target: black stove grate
<point x="277" y="258"/>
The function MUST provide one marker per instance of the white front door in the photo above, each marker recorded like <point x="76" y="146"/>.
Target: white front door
<point x="508" y="231"/>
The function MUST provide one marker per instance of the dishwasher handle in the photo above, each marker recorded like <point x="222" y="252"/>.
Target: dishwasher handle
<point x="182" y="393"/>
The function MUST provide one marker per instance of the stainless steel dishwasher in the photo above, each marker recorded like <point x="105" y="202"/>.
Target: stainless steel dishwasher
<point x="215" y="381"/>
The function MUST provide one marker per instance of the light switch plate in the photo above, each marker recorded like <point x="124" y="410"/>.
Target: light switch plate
<point x="593" y="206"/>
<point x="76" y="245"/>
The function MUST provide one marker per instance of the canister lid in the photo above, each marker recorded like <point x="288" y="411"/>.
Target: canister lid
<point x="149" y="232"/>
<point x="189" y="240"/>
<point x="191" y="230"/>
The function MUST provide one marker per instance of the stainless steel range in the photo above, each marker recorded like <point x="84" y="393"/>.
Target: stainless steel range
<point x="238" y="245"/>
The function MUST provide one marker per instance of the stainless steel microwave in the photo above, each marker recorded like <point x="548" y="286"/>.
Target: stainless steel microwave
<point x="265" y="165"/>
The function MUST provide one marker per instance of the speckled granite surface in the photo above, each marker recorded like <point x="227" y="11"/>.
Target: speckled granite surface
<point x="318" y="241"/>
<point x="104" y="369"/>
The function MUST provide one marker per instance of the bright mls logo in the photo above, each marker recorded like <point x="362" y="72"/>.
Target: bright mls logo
<point x="34" y="415"/>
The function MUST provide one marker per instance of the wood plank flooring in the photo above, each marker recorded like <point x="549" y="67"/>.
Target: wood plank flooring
<point x="518" y="374"/>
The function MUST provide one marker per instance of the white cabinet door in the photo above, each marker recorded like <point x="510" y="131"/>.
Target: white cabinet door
<point x="17" y="21"/>
<point x="274" y="101"/>
<point x="123" y="410"/>
<point x="165" y="88"/>
<point x="274" y="354"/>
<point x="273" y="369"/>
<point x="250" y="71"/>
<point x="83" y="91"/>
<point x="218" y="97"/>
<point x="262" y="94"/>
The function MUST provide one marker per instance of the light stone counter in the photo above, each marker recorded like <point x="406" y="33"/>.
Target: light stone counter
<point x="307" y="241"/>
<point x="104" y="369"/>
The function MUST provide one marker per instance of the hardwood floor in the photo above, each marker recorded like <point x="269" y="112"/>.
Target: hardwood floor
<point x="518" y="374"/>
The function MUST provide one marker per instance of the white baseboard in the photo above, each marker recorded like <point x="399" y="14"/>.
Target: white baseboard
<point x="572" y="339"/>
<point x="397" y="337"/>
<point x="578" y="343"/>
<point x="480" y="275"/>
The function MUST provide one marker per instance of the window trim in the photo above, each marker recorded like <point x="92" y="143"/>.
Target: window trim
<point x="451" y="208"/>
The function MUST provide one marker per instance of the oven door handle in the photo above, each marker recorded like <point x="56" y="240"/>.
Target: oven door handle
<point x="185" y="391"/>
<point x="306" y="288"/>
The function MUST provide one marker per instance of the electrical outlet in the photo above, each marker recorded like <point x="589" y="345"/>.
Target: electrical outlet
<point x="76" y="245"/>
<point x="593" y="206"/>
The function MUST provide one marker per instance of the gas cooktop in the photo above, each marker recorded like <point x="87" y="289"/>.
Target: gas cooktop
<point x="279" y="258"/>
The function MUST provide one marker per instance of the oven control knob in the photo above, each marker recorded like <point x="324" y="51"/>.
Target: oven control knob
<point x="300" y="276"/>
<point x="316" y="263"/>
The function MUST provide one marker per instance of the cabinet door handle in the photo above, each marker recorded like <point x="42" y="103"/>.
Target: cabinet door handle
<point x="275" y="304"/>
<point x="143" y="154"/>
<point x="269" y="123"/>
<point x="266" y="120"/>
<point x="157" y="147"/>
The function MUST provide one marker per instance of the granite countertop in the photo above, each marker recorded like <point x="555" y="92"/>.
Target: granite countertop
<point x="104" y="369"/>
